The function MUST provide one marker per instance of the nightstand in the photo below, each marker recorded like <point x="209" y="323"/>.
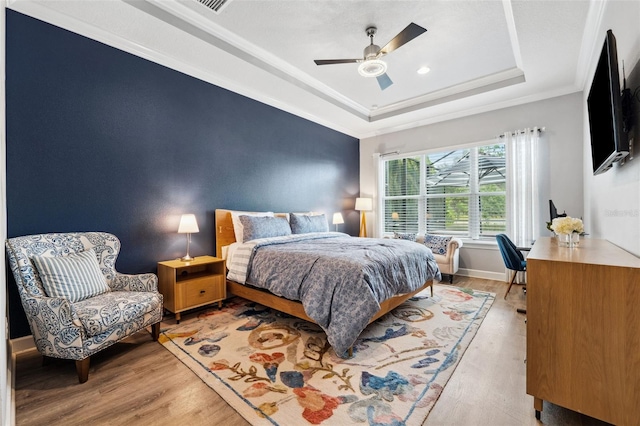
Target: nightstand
<point x="188" y="285"/>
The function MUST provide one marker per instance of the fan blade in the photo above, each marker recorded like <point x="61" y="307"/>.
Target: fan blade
<point x="405" y="36"/>
<point x="384" y="81"/>
<point x="335" y="61"/>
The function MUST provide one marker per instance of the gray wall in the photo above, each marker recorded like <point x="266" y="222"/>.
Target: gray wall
<point x="612" y="199"/>
<point x="561" y="143"/>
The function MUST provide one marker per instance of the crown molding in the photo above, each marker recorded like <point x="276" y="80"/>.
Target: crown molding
<point x="40" y="11"/>
<point x="590" y="42"/>
<point x="194" y="19"/>
<point x="492" y="106"/>
<point x="513" y="33"/>
<point x="193" y="16"/>
<point x="452" y="93"/>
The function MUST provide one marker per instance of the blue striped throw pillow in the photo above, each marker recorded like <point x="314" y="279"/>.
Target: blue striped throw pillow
<point x="75" y="277"/>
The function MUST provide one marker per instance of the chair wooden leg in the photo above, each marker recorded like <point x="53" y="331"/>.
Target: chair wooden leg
<point x="451" y="279"/>
<point x="431" y="289"/>
<point x="82" y="367"/>
<point x="513" y="278"/>
<point x="155" y="331"/>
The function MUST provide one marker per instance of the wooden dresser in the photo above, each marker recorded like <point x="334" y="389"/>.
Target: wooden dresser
<point x="583" y="329"/>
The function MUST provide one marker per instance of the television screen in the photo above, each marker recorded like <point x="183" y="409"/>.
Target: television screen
<point x="605" y="110"/>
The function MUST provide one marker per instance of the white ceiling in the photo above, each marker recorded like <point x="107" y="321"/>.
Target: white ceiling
<point x="483" y="55"/>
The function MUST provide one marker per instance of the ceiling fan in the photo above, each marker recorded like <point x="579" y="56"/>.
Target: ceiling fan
<point x="371" y="65"/>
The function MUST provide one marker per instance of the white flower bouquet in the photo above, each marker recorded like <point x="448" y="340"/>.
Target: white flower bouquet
<point x="567" y="225"/>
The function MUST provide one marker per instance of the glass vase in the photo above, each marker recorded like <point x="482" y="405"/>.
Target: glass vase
<point x="568" y="240"/>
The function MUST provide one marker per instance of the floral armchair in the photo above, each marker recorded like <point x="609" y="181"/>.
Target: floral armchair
<point x="77" y="330"/>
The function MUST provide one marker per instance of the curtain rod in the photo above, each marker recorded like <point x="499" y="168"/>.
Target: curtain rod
<point x="540" y="130"/>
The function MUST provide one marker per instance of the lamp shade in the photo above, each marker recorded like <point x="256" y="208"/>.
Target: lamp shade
<point x="364" y="204"/>
<point x="188" y="224"/>
<point x="338" y="219"/>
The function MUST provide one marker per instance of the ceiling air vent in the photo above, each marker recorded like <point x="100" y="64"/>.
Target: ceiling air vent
<point x="215" y="5"/>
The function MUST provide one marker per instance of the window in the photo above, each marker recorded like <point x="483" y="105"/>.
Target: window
<point x="460" y="192"/>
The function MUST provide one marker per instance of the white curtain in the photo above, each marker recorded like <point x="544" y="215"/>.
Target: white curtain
<point x="523" y="210"/>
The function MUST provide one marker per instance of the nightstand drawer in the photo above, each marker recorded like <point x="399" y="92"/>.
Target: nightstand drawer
<point x="203" y="290"/>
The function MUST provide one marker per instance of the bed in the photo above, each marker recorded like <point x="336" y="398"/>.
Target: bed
<point x="371" y="301"/>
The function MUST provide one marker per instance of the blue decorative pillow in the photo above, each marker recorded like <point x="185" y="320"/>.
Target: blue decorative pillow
<point x="405" y="236"/>
<point x="303" y="224"/>
<point x="436" y="243"/>
<point x="74" y="277"/>
<point x="255" y="227"/>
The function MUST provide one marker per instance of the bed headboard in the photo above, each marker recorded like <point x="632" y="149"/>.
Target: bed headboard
<point x="224" y="229"/>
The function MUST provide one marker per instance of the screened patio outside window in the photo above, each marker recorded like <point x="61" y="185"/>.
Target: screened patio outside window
<point x="460" y="192"/>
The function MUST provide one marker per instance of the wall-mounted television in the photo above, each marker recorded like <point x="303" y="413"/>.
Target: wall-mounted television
<point x="608" y="140"/>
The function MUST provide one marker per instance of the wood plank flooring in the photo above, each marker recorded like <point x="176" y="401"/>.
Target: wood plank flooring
<point x="138" y="382"/>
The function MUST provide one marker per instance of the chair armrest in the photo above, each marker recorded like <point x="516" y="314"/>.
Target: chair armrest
<point x="453" y="245"/>
<point x="38" y="306"/>
<point x="139" y="282"/>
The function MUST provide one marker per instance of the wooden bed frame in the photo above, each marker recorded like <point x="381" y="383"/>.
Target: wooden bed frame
<point x="226" y="236"/>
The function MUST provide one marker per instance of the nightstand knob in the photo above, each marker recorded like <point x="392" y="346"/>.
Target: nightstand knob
<point x="202" y="291"/>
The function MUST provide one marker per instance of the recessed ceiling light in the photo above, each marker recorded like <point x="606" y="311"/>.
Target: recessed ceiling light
<point x="423" y="70"/>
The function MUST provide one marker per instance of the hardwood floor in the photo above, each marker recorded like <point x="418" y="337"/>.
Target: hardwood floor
<point x="137" y="382"/>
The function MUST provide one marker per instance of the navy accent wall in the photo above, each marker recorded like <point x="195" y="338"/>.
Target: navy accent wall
<point x="102" y="140"/>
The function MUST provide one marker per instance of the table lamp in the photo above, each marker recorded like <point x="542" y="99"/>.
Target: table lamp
<point x="337" y="220"/>
<point x="188" y="225"/>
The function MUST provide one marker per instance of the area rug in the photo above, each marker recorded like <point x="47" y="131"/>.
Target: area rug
<point x="275" y="369"/>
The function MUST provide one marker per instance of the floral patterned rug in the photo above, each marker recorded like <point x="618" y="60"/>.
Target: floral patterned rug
<point x="278" y="370"/>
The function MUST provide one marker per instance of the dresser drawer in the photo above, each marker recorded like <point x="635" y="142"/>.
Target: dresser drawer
<point x="203" y="290"/>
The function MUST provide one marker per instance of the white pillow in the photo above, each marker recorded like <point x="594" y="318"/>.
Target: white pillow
<point x="75" y="277"/>
<point x="237" y="225"/>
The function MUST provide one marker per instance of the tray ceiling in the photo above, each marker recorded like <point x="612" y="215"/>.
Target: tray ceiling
<point x="482" y="55"/>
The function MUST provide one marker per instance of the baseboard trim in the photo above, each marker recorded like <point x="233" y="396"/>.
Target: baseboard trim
<point x="476" y="273"/>
<point x="12" y="409"/>
<point x="22" y="344"/>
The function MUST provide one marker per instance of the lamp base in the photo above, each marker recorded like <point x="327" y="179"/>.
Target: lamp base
<point x="187" y="258"/>
<point x="363" y="226"/>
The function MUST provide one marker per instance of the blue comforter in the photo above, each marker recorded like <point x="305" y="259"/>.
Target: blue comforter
<point x="340" y="280"/>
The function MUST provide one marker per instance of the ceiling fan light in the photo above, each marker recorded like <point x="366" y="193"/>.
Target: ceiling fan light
<point x="372" y="68"/>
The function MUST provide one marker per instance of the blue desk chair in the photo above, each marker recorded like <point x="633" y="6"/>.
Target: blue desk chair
<point x="513" y="258"/>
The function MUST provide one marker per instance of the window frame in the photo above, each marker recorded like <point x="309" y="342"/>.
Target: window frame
<point x="473" y="195"/>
